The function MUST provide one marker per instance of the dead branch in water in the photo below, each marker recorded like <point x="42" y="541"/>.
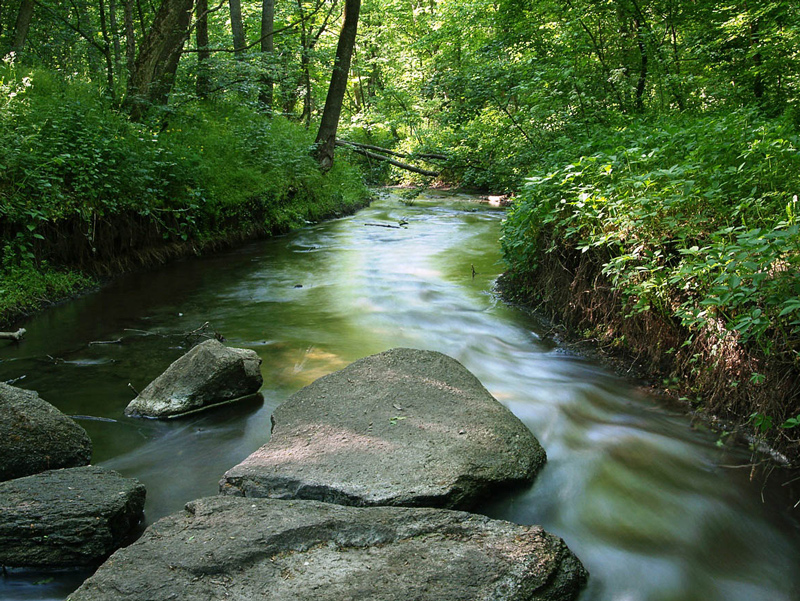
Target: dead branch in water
<point x="15" y="336"/>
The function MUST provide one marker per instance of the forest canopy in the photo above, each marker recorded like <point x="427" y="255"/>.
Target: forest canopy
<point x="650" y="146"/>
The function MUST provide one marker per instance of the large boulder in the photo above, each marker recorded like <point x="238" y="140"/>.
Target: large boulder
<point x="67" y="518"/>
<point x="404" y="427"/>
<point x="210" y="374"/>
<point x="234" y="548"/>
<point x="35" y="436"/>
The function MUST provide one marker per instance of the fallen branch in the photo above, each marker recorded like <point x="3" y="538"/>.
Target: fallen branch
<point x="117" y="341"/>
<point x="380" y="157"/>
<point x="16" y="336"/>
<point x="395" y="227"/>
<point x="394" y="153"/>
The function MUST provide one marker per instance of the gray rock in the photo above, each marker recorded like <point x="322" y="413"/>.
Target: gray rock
<point x="235" y="548"/>
<point x="67" y="518"/>
<point x="35" y="436"/>
<point x="210" y="374"/>
<point x="404" y="427"/>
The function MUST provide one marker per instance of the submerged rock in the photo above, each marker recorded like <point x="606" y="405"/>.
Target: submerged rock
<point x="35" y="436"/>
<point x="67" y="518"/>
<point x="209" y="374"/>
<point x="236" y="548"/>
<point x="404" y="427"/>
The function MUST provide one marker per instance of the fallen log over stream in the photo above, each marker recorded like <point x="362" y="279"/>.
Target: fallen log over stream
<point x="366" y="150"/>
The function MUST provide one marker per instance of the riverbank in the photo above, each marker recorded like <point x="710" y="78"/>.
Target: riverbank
<point x="680" y="254"/>
<point x="87" y="194"/>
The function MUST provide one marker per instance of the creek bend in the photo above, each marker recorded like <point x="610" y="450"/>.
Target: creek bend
<point x="637" y="494"/>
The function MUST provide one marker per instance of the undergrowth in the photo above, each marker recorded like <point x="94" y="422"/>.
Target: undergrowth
<point x="83" y="189"/>
<point x="690" y="223"/>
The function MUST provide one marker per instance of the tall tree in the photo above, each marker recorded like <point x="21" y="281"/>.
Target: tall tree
<point x="203" y="83"/>
<point x="22" y="25"/>
<point x="112" y="22"/>
<point x="1" y="22"/>
<point x="106" y="48"/>
<point x="237" y="27"/>
<point x="267" y="48"/>
<point x="157" y="62"/>
<point x="130" y="36"/>
<point x="326" y="136"/>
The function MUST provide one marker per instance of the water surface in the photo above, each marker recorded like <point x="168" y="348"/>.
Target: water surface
<point x="640" y="496"/>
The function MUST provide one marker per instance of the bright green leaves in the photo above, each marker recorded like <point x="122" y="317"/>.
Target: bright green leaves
<point x="691" y="229"/>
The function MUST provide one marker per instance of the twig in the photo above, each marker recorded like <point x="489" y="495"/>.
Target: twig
<point x="117" y="341"/>
<point x="198" y="331"/>
<point x="136" y="392"/>
<point x="395" y="227"/>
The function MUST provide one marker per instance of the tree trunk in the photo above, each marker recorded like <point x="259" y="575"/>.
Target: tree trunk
<point x="106" y="48"/>
<point x="130" y="37"/>
<point x="641" y="82"/>
<point x="326" y="136"/>
<point x="758" y="76"/>
<point x="237" y="27"/>
<point x="157" y="62"/>
<point x="112" y="22"/>
<point x="203" y="84"/>
<point x="267" y="48"/>
<point x="22" y="25"/>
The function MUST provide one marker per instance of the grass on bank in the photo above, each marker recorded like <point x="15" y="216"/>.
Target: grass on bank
<point x="676" y="239"/>
<point x="82" y="187"/>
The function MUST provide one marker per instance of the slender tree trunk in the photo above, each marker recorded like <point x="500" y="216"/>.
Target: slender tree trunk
<point x="112" y="22"/>
<point x="305" y="74"/>
<point x="305" y="69"/>
<point x="130" y="36"/>
<point x="758" y="76"/>
<point x="267" y="48"/>
<point x="106" y="49"/>
<point x="203" y="83"/>
<point x="237" y="27"/>
<point x="640" y="83"/>
<point x="157" y="62"/>
<point x="22" y="25"/>
<point x="326" y="136"/>
<point x="140" y="12"/>
<point x="1" y="24"/>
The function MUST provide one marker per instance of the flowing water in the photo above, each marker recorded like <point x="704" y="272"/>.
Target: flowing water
<point x="644" y="500"/>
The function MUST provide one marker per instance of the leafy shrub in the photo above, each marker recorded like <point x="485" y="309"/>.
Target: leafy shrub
<point x="697" y="218"/>
<point x="69" y="161"/>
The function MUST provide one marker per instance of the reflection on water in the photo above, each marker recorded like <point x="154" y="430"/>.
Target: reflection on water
<point x="638" y="495"/>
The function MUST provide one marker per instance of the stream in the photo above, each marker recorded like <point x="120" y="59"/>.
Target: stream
<point x="650" y="504"/>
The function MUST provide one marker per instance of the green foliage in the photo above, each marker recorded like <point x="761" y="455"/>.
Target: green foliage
<point x="25" y="287"/>
<point x="69" y="160"/>
<point x="697" y="231"/>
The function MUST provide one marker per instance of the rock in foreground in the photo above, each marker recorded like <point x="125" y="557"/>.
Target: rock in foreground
<point x="67" y="518"/>
<point x="209" y="374"/>
<point x="35" y="436"/>
<point x="404" y="427"/>
<point x="234" y="548"/>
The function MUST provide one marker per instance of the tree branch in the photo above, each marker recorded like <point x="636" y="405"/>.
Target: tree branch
<point x="15" y="336"/>
<point x="381" y="157"/>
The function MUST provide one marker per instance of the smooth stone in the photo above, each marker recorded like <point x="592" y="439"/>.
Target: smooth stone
<point x="64" y="518"/>
<point x="403" y="427"/>
<point x="236" y="548"/>
<point x="210" y="374"/>
<point x="35" y="436"/>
